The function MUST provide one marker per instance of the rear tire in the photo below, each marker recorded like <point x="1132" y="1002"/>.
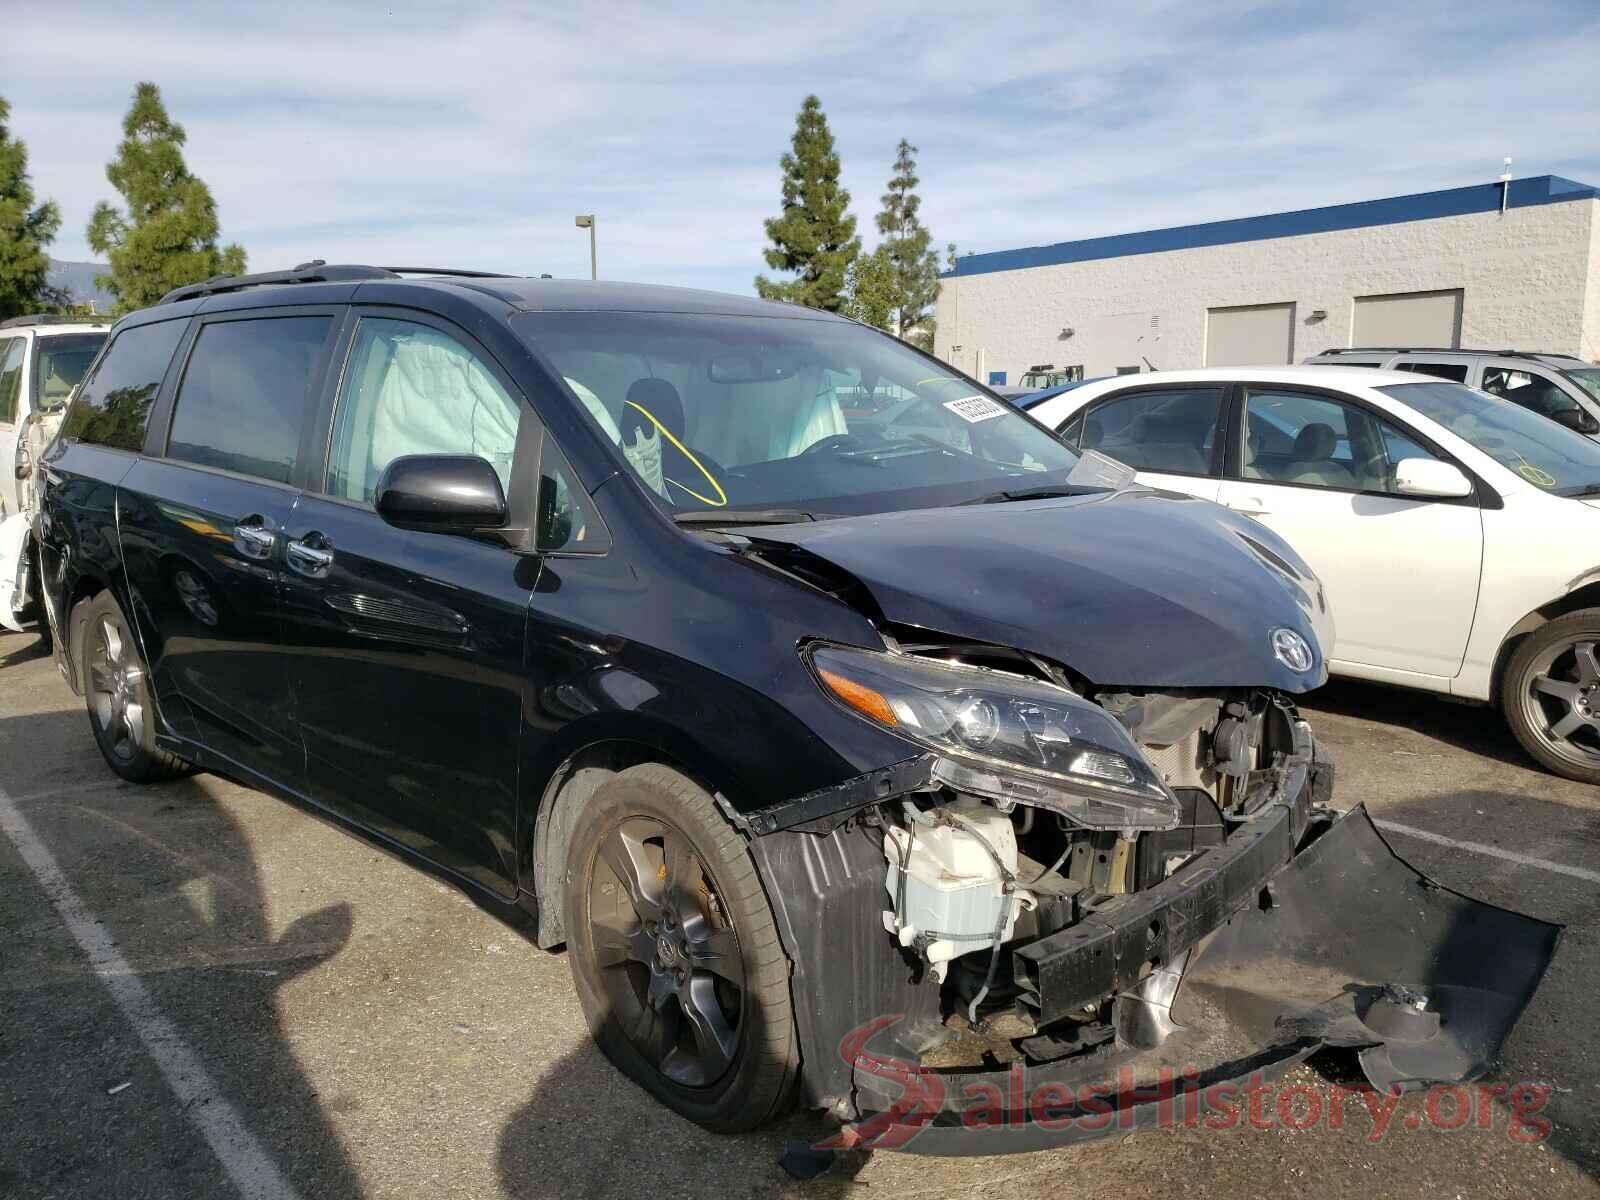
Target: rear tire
<point x="116" y="688"/>
<point x="675" y="953"/>
<point x="1551" y="695"/>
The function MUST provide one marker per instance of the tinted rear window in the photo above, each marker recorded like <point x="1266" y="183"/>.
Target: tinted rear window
<point x="1455" y="371"/>
<point x="113" y="407"/>
<point x="245" y="394"/>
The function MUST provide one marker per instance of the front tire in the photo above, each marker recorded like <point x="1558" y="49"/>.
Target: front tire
<point x="1551" y="695"/>
<point x="675" y="953"/>
<point x="116" y="687"/>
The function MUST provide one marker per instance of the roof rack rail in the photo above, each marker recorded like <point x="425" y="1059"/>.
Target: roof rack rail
<point x="460" y="272"/>
<point x="1336" y="350"/>
<point x="315" y="271"/>
<point x="51" y="319"/>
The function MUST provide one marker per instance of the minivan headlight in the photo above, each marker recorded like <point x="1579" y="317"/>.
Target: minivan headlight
<point x="1004" y="737"/>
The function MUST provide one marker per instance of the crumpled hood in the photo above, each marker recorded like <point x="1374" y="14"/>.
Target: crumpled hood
<point x="1138" y="587"/>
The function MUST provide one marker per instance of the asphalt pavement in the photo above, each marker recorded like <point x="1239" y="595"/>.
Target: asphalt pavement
<point x="206" y="991"/>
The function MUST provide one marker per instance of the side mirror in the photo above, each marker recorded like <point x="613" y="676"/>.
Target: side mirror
<point x="441" y="493"/>
<point x="1576" y="419"/>
<point x="1431" y="478"/>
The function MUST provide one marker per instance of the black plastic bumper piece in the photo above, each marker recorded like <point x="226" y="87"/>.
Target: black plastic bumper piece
<point x="1111" y="950"/>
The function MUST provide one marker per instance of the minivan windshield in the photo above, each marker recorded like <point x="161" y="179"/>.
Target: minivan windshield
<point x="778" y="414"/>
<point x="1547" y="455"/>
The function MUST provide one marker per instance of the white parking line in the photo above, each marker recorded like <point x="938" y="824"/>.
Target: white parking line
<point x="1526" y="860"/>
<point x="247" y="1164"/>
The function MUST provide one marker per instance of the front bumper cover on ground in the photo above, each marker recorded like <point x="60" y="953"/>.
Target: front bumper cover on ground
<point x="1345" y="945"/>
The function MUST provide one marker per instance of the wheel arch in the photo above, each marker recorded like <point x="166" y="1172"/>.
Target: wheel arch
<point x="1587" y="596"/>
<point x="85" y="586"/>
<point x="585" y="765"/>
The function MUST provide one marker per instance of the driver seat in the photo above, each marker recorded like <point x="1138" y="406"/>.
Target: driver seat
<point x="653" y="408"/>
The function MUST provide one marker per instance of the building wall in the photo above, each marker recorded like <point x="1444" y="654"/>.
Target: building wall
<point x="1531" y="280"/>
<point x="1590" y="348"/>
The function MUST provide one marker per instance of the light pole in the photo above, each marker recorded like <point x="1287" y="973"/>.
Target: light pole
<point x="587" y="222"/>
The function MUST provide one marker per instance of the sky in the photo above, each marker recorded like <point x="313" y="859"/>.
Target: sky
<point x="470" y="136"/>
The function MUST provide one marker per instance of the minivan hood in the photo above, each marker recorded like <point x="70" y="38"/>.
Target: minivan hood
<point x="1136" y="588"/>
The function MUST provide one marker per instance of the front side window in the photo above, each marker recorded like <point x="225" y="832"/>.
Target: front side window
<point x="11" y="350"/>
<point x="1170" y="430"/>
<point x="1297" y="437"/>
<point x="113" y="405"/>
<point x="410" y="389"/>
<point x="1547" y="455"/>
<point x="59" y="363"/>
<point x="245" y="395"/>
<point x="714" y="411"/>
<point x="1533" y="392"/>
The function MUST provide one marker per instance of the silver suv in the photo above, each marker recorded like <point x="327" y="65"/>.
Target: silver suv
<point x="1558" y="386"/>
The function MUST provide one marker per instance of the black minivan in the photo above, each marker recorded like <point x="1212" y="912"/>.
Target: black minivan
<point x="862" y="744"/>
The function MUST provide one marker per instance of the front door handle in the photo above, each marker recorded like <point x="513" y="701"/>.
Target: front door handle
<point x="311" y="555"/>
<point x="1250" y="506"/>
<point x="253" y="539"/>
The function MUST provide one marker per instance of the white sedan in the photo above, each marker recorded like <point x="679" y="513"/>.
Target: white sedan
<point x="1457" y="535"/>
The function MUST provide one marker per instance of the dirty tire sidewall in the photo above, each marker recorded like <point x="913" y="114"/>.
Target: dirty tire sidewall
<point x="1581" y="625"/>
<point x="760" y="1083"/>
<point x="148" y="763"/>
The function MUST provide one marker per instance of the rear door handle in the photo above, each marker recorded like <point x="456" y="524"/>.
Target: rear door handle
<point x="311" y="555"/>
<point x="1250" y="506"/>
<point x="253" y="539"/>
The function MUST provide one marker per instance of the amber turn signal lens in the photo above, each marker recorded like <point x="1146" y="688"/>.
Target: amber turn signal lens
<point x="859" y="697"/>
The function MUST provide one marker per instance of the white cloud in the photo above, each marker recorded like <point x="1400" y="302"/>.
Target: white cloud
<point x="446" y="136"/>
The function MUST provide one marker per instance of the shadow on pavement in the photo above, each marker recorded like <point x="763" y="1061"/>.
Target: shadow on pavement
<point x="588" y="1131"/>
<point x="168" y="871"/>
<point x="18" y="648"/>
<point x="1479" y="729"/>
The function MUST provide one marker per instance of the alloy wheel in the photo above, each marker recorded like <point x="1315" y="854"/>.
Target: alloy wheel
<point x="1562" y="700"/>
<point x="667" y="953"/>
<point x="116" y="689"/>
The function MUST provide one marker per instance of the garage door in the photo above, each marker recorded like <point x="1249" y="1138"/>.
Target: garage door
<point x="1250" y="335"/>
<point x="1408" y="319"/>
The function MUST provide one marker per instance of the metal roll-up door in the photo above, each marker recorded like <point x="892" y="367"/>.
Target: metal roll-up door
<point x="1250" y="335"/>
<point x="1403" y="319"/>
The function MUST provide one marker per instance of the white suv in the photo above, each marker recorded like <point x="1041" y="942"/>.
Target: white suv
<point x="1558" y="386"/>
<point x="41" y="360"/>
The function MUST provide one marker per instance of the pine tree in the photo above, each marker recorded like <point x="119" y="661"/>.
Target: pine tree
<point x="871" y="292"/>
<point x="907" y="243"/>
<point x="167" y="236"/>
<point x="815" y="235"/>
<point x="25" y="231"/>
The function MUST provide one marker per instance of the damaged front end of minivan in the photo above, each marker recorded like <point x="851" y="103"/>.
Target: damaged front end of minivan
<point x="990" y="957"/>
<point x="1082" y="909"/>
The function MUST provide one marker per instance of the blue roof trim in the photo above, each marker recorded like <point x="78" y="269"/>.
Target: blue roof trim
<point x="1424" y="206"/>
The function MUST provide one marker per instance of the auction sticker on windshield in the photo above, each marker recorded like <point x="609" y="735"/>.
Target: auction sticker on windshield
<point x="973" y="409"/>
